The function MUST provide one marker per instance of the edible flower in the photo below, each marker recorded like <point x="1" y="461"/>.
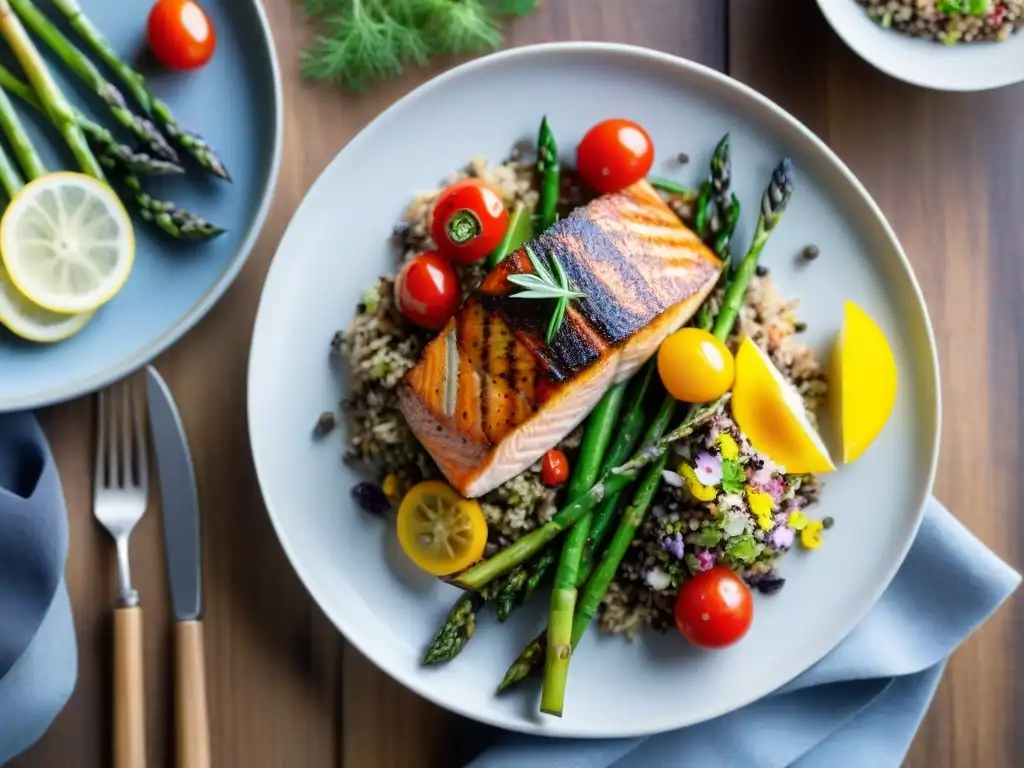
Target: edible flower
<point x="673" y="545"/>
<point x="727" y="446"/>
<point x="709" y="468"/>
<point x="735" y="523"/>
<point x="699" y="491"/>
<point x="810" y="536"/>
<point x="706" y="558"/>
<point x="761" y="504"/>
<point x="657" y="579"/>
<point x="782" y="537"/>
<point x="797" y="520"/>
<point x="390" y="486"/>
<point x="732" y="476"/>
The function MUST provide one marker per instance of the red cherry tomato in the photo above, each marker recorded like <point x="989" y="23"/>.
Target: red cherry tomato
<point x="554" y="468"/>
<point x="469" y="221"/>
<point x="427" y="290"/>
<point x="180" y="34"/>
<point x="614" y="154"/>
<point x="714" y="608"/>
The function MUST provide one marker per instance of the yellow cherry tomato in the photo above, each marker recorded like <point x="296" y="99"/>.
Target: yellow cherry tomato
<point x="439" y="530"/>
<point x="695" y="367"/>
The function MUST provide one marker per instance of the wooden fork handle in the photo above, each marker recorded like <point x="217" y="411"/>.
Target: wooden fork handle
<point x="129" y="690"/>
<point x="192" y="724"/>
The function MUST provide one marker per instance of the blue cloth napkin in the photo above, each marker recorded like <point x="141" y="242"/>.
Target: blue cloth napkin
<point x="38" y="654"/>
<point x="859" y="706"/>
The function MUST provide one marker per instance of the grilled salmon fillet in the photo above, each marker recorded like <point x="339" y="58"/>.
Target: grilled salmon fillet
<point x="489" y="396"/>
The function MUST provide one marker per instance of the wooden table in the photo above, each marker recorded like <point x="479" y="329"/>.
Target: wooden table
<point x="285" y="690"/>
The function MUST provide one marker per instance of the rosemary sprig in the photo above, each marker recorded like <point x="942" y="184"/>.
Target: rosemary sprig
<point x="546" y="283"/>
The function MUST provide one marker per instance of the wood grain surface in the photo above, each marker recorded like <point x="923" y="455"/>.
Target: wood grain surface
<point x="285" y="690"/>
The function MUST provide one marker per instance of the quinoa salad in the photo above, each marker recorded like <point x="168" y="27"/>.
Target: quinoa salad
<point x="949" y="21"/>
<point x="632" y="433"/>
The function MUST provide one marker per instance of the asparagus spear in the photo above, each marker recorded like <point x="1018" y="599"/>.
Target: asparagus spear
<point x="190" y="142"/>
<point x="547" y="168"/>
<point x="773" y="205"/>
<point x="111" y="153"/>
<point x="672" y="187"/>
<point x="58" y="109"/>
<point x="10" y="177"/>
<point x="30" y="161"/>
<point x="176" y="222"/>
<point x="723" y="216"/>
<point x="457" y="629"/>
<point x="76" y="61"/>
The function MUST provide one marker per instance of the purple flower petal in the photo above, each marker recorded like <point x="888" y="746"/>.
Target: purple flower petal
<point x="782" y="537"/>
<point x="708" y="468"/>
<point x="673" y="545"/>
<point x="706" y="558"/>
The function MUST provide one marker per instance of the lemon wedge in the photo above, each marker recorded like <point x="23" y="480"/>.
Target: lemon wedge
<point x="863" y="381"/>
<point x="771" y="413"/>
<point x="32" y="323"/>
<point x="67" y="243"/>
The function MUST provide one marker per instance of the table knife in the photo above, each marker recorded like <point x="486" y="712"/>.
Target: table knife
<point x="180" y="506"/>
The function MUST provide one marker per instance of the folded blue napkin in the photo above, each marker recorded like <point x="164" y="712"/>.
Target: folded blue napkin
<point x="859" y="706"/>
<point x="38" y="654"/>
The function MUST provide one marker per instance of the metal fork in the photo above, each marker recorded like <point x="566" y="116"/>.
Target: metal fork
<point x="121" y="491"/>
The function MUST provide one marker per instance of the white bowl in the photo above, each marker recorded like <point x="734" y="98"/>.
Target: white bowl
<point x="337" y="244"/>
<point x="929" y="64"/>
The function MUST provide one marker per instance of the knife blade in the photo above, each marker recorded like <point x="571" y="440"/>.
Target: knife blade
<point x="185" y="572"/>
<point x="180" y="500"/>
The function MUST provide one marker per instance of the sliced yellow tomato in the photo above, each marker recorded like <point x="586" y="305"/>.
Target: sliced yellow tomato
<point x="771" y="413"/>
<point x="863" y="381"/>
<point x="439" y="530"/>
<point x="695" y="366"/>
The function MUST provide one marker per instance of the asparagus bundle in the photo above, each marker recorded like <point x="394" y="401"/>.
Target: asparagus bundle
<point x="93" y="78"/>
<point x="192" y="143"/>
<point x="168" y="217"/>
<point x="773" y="205"/>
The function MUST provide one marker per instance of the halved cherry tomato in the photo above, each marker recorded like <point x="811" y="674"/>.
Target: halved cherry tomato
<point x="614" y="154"/>
<point x="427" y="290"/>
<point x="469" y="221"/>
<point x="181" y="34"/>
<point x="695" y="366"/>
<point x="714" y="608"/>
<point x="439" y="530"/>
<point x="554" y="468"/>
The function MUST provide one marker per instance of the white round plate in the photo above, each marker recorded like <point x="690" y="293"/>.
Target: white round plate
<point x="338" y="243"/>
<point x="929" y="64"/>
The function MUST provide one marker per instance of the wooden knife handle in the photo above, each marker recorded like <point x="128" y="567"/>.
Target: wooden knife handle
<point x="129" y="690"/>
<point x="191" y="720"/>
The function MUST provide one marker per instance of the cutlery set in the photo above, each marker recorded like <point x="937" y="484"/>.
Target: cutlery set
<point x="121" y="491"/>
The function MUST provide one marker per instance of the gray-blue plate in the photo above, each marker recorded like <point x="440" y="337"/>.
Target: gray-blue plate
<point x="338" y="243"/>
<point x="235" y="103"/>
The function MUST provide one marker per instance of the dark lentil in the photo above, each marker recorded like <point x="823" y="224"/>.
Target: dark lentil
<point x="770" y="584"/>
<point x="682" y="158"/>
<point x="811" y="252"/>
<point x="325" y="424"/>
<point x="799" y="326"/>
<point x="827" y="523"/>
<point x="761" y="270"/>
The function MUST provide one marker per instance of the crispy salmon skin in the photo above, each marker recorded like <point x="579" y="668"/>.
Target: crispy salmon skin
<point x="489" y="395"/>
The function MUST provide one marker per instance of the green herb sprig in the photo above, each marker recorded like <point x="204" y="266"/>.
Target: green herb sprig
<point x="546" y="283"/>
<point x="367" y="41"/>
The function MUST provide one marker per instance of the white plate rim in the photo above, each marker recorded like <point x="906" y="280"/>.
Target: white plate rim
<point x="419" y="683"/>
<point x="199" y="310"/>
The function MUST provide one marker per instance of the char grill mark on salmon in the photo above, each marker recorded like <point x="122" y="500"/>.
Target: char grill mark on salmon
<point x="490" y="396"/>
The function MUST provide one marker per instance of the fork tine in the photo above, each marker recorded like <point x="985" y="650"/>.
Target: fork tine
<point x="141" y="443"/>
<point x="101" y="441"/>
<point x="125" y="390"/>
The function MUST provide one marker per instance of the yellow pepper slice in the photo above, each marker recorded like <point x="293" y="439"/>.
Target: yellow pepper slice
<point x="439" y="530"/>
<point x="727" y="446"/>
<point x="699" y="491"/>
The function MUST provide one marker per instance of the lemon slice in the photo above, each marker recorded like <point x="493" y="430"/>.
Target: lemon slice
<point x="32" y="323"/>
<point x="771" y="413"/>
<point x="863" y="381"/>
<point x="67" y="243"/>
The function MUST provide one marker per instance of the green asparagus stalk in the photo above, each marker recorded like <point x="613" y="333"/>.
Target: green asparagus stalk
<point x="176" y="222"/>
<point x="672" y="187"/>
<point x="190" y="142"/>
<point x="60" y="112"/>
<point x="111" y="153"/>
<point x="31" y="163"/>
<point x="457" y="629"/>
<point x="723" y="217"/>
<point x="549" y="172"/>
<point x="10" y="177"/>
<point x="85" y="70"/>
<point x="522" y="582"/>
